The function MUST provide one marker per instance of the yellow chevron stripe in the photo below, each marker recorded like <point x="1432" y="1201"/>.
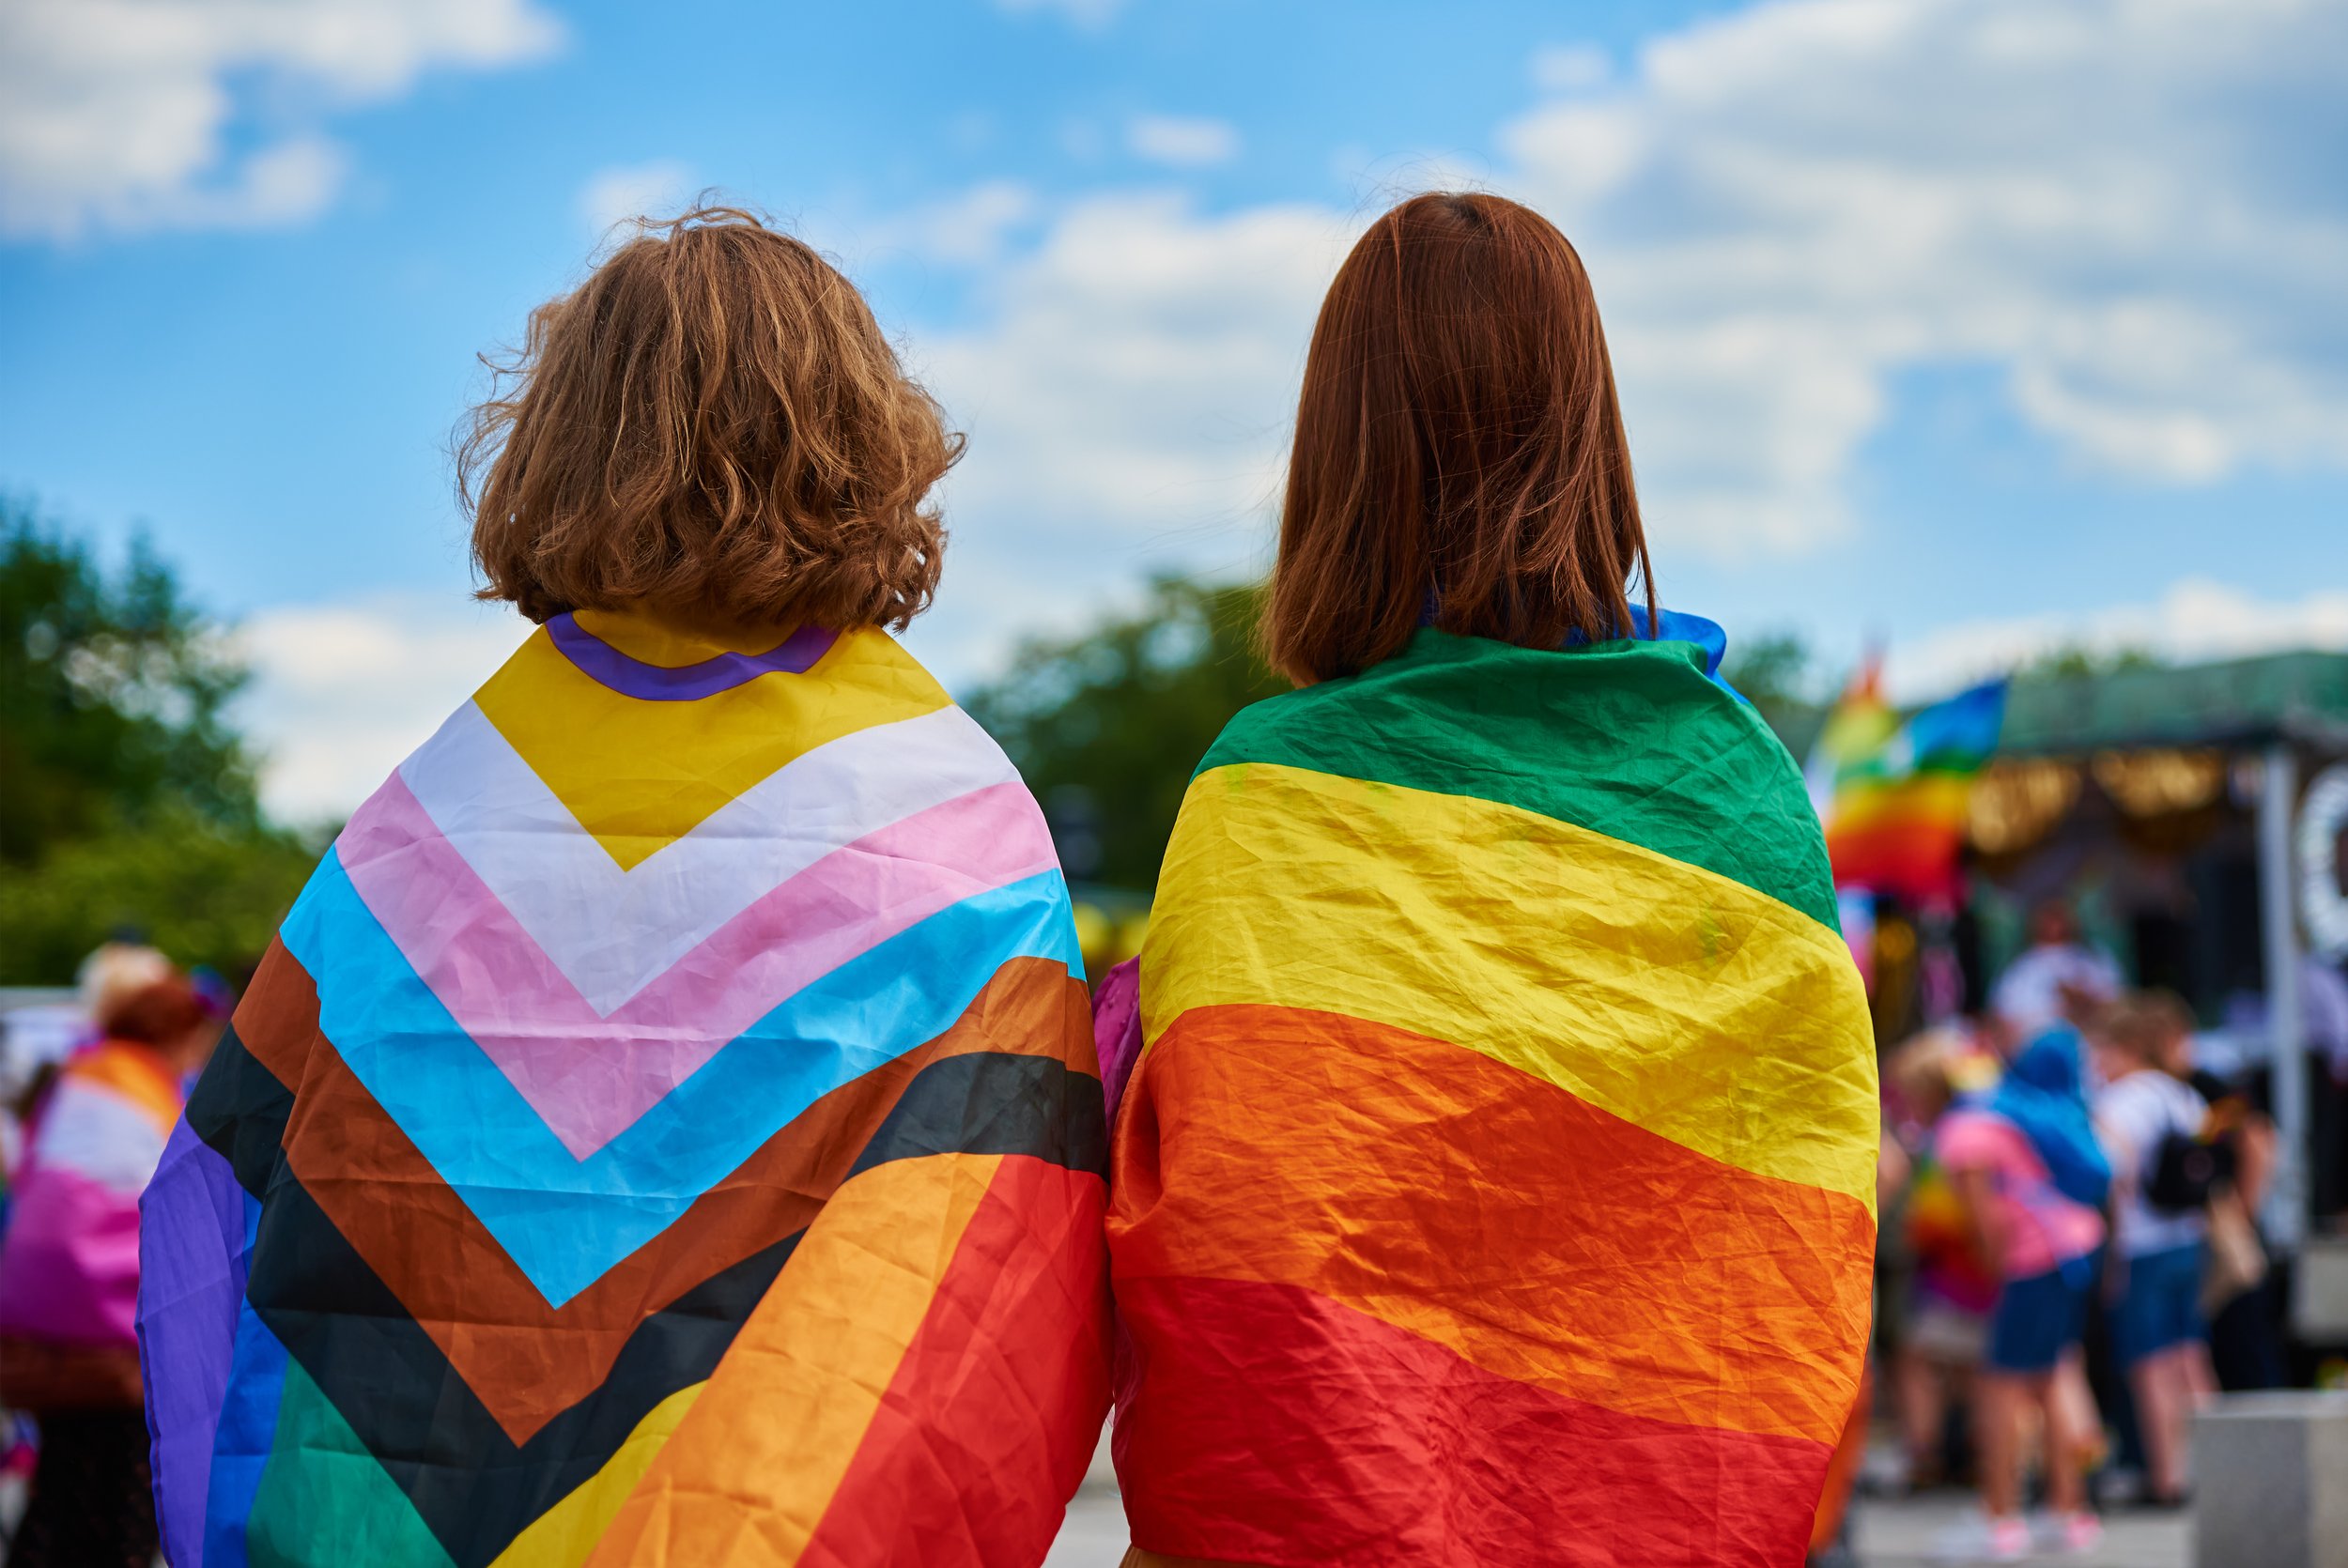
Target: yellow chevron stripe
<point x="1669" y="995"/>
<point x="640" y="774"/>
<point x="563" y="1535"/>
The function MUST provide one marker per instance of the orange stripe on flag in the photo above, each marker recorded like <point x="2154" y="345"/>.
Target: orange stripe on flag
<point x="1487" y="1211"/>
<point x="996" y="1406"/>
<point x="755" y="1463"/>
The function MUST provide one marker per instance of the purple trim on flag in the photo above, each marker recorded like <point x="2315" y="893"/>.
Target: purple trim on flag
<point x="1116" y="1030"/>
<point x="659" y="683"/>
<point x="191" y="1283"/>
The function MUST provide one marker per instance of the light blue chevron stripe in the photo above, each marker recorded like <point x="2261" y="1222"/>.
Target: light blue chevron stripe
<point x="566" y="1222"/>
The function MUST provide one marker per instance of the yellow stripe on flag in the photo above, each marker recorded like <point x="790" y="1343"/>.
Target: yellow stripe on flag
<point x="640" y="774"/>
<point x="1666" y="994"/>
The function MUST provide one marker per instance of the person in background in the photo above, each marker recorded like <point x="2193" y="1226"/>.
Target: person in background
<point x="1942" y="1325"/>
<point x="2245" y="1341"/>
<point x="69" y="1272"/>
<point x="2054" y="979"/>
<point x="2026" y="1167"/>
<point x="2143" y="1113"/>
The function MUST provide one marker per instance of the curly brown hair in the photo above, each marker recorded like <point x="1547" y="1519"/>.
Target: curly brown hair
<point x="712" y="426"/>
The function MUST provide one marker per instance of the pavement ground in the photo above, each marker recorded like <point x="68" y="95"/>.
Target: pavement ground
<point x="1890" y="1534"/>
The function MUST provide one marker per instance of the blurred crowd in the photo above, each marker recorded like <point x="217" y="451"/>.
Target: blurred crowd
<point x="90" y="1088"/>
<point x="2071" y="1259"/>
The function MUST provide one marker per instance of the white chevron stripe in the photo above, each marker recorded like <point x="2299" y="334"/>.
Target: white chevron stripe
<point x="612" y="931"/>
<point x="100" y="1135"/>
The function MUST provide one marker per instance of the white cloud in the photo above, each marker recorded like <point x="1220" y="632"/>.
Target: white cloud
<point x="1138" y="370"/>
<point x="1127" y="390"/>
<point x="1182" y="142"/>
<point x="342" y="692"/>
<point x="972" y="230"/>
<point x="1087" y="14"/>
<point x="1571" y="67"/>
<point x="2121" y="204"/>
<point x="626" y="191"/>
<point x="135" y="115"/>
<point x="2130" y="209"/>
<point x="2196" y="619"/>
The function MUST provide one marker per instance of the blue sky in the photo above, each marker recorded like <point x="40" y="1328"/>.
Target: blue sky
<point x="1974" y="324"/>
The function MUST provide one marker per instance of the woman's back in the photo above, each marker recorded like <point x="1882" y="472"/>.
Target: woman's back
<point x="1495" y="1184"/>
<point x="1496" y="1181"/>
<point x="665" y="1129"/>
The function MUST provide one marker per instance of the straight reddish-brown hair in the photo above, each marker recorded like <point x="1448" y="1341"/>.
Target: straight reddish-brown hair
<point x="1460" y="449"/>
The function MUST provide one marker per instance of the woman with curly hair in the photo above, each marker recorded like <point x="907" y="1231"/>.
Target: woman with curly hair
<point x="666" y="1129"/>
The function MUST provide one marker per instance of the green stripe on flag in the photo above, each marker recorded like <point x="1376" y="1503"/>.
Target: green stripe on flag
<point x="322" y="1486"/>
<point x="1630" y="739"/>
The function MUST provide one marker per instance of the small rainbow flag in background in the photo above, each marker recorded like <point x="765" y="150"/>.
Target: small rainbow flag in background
<point x="1495" y="1185"/>
<point x="1893" y="793"/>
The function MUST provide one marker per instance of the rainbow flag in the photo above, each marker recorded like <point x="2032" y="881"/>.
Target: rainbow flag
<point x="1895" y="792"/>
<point x="666" y="1130"/>
<point x="1496" y="1182"/>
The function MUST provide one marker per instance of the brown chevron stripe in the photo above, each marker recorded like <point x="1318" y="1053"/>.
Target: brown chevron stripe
<point x="525" y="1360"/>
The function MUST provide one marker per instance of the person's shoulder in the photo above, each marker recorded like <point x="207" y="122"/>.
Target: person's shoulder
<point x="2186" y="1096"/>
<point x="2121" y="1097"/>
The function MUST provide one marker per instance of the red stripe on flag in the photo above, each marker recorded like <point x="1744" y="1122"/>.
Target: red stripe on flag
<point x="992" y="1417"/>
<point x="1284" y="1428"/>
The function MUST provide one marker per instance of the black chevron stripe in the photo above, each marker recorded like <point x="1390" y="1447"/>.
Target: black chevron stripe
<point x="472" y="1485"/>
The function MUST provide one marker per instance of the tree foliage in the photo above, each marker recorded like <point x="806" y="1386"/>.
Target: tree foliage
<point x="202" y="892"/>
<point x="1778" y="675"/>
<point x="1108" y="725"/>
<point x="127" y="798"/>
<point x="111" y="696"/>
<point x="2084" y="662"/>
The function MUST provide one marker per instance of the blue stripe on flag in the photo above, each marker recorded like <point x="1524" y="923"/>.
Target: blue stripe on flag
<point x="566" y="1222"/>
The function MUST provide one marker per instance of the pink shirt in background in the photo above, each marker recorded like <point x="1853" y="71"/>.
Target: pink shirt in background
<point x="70" y="1267"/>
<point x="2044" y="1229"/>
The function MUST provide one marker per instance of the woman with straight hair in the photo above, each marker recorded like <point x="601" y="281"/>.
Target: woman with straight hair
<point x="1495" y="1183"/>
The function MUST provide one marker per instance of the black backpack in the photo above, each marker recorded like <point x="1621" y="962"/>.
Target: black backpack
<point x="2185" y="1170"/>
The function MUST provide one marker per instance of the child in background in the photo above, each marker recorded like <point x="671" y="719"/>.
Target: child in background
<point x="2156" y="1326"/>
<point x="2002" y="1157"/>
<point x="1943" y="1323"/>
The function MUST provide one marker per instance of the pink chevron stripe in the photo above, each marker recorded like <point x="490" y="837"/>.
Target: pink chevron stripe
<point x="591" y="1077"/>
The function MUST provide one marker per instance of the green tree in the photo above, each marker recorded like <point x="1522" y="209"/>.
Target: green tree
<point x="2079" y="662"/>
<point x="1108" y="725"/>
<point x="202" y="892"/>
<point x="113" y="692"/>
<point x="127" y="798"/>
<point x="1777" y="675"/>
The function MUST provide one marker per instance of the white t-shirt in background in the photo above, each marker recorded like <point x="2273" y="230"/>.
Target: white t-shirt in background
<point x="2132" y="1115"/>
<point x="2029" y="992"/>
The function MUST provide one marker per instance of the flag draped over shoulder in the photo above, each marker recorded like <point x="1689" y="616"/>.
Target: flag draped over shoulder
<point x="666" y="1132"/>
<point x="1496" y="1182"/>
